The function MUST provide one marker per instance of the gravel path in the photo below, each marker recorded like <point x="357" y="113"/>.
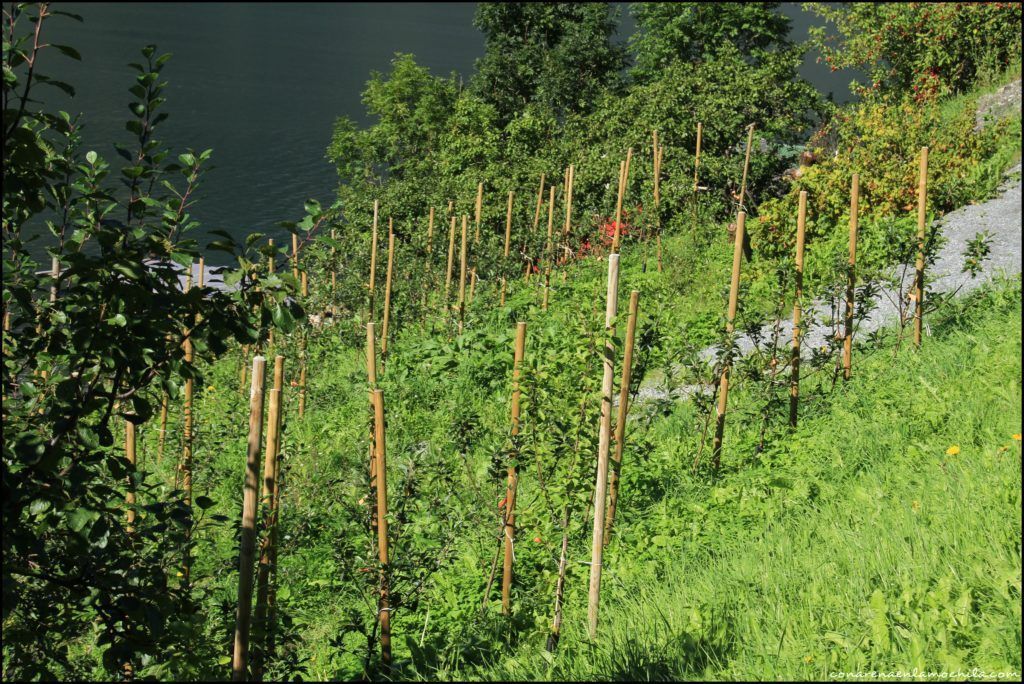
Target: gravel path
<point x="1000" y="216"/>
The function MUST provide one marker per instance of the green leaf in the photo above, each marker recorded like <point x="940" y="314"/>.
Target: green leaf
<point x="118" y="320"/>
<point x="69" y="51"/>
<point x="204" y="502"/>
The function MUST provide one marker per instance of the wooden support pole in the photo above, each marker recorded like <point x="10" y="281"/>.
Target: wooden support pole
<point x="295" y="255"/>
<point x="730" y="320"/>
<point x="660" y="153"/>
<point x="472" y="286"/>
<point x="373" y="260"/>
<point x="503" y="285"/>
<point x="270" y="332"/>
<point x="618" y="205"/>
<point x="186" y="440"/>
<point x="746" y="165"/>
<point x="269" y="542"/>
<point x="604" y="439"/>
<point x="430" y="232"/>
<point x="247" y="548"/>
<point x="334" y="272"/>
<point x="851" y="279"/>
<point x="696" y="169"/>
<point x="508" y="224"/>
<point x="451" y="258"/>
<point x="922" y="209"/>
<point x="549" y="249"/>
<point x="509" y="526"/>
<point x="462" y="274"/>
<point x="371" y="379"/>
<point x="302" y="354"/>
<point x="571" y="180"/>
<point x="794" y="363"/>
<point x="479" y="209"/>
<point x="623" y="412"/>
<point x="540" y="200"/>
<point x="130" y="455"/>
<point x="387" y="292"/>
<point x="380" y="456"/>
<point x="162" y="436"/>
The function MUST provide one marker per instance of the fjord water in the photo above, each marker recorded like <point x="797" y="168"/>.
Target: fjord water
<point x="261" y="84"/>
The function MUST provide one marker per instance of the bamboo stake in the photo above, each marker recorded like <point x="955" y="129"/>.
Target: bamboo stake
<point x="502" y="301"/>
<point x="162" y="436"/>
<point x="371" y="379"/>
<point x="540" y="199"/>
<point x="334" y="273"/>
<point x="696" y="168"/>
<point x="513" y="474"/>
<point x="657" y="203"/>
<point x="922" y="205"/>
<point x="380" y="453"/>
<point x="601" y="486"/>
<point x="479" y="208"/>
<point x="244" y="370"/>
<point x="508" y="224"/>
<point x="462" y="274"/>
<point x="302" y="352"/>
<point x="472" y="286"/>
<point x="130" y="455"/>
<point x="746" y="165"/>
<point x="620" y="421"/>
<point x="269" y="541"/>
<point x="734" y="293"/>
<point x="430" y="232"/>
<point x="186" y="450"/>
<point x="451" y="257"/>
<point x="387" y="292"/>
<point x="240" y="656"/>
<point x="270" y="332"/>
<point x="618" y="204"/>
<point x="794" y="380"/>
<point x="295" y="256"/>
<point x="373" y="259"/>
<point x="570" y="181"/>
<point x="851" y="279"/>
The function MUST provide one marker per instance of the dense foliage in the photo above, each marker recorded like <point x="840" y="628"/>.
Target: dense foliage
<point x="924" y="48"/>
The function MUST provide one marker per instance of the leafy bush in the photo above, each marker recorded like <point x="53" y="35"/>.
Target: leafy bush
<point x="921" y="47"/>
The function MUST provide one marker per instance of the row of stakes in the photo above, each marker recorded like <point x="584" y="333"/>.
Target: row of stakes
<point x="608" y="460"/>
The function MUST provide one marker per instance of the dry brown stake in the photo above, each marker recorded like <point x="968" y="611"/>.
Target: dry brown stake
<point x="479" y="209"/>
<point x="851" y="279"/>
<point x="604" y="438"/>
<point x="240" y="655"/>
<point x="794" y="379"/>
<point x="462" y="274"/>
<point x="508" y="224"/>
<point x="269" y="542"/>
<point x="380" y="453"/>
<point x="734" y="293"/>
<point x="373" y="260"/>
<point x="540" y="200"/>
<point x="509" y="526"/>
<point x="129" y="452"/>
<point x="922" y="205"/>
<point x="451" y="259"/>
<point x="387" y="292"/>
<point x="620" y="421"/>
<point x="746" y="165"/>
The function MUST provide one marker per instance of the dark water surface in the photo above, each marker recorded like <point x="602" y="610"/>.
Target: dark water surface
<point x="262" y="84"/>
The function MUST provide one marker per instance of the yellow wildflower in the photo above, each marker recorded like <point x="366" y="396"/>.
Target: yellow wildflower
<point x="808" y="659"/>
<point x="916" y="506"/>
<point x="953" y="450"/>
<point x="209" y="388"/>
<point x="1016" y="436"/>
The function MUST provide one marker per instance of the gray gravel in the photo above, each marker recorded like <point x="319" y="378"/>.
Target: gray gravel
<point x="1000" y="216"/>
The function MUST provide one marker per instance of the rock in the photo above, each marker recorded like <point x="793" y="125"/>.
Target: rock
<point x="997" y="106"/>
